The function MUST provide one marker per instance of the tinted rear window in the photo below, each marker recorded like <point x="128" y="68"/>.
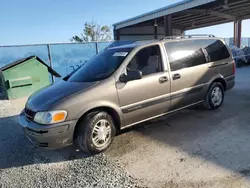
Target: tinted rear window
<point x="215" y="48"/>
<point x="188" y="53"/>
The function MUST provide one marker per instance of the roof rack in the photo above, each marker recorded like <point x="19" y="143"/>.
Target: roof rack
<point x="186" y="36"/>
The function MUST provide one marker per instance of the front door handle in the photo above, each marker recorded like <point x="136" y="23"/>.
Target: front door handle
<point x="176" y="76"/>
<point x="163" y="79"/>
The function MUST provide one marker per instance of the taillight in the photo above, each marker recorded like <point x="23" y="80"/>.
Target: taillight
<point x="234" y="67"/>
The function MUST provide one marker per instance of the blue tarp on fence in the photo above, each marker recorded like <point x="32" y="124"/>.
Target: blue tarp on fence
<point x="68" y="56"/>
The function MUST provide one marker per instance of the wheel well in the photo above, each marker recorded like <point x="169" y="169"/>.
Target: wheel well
<point x="222" y="81"/>
<point x="109" y="110"/>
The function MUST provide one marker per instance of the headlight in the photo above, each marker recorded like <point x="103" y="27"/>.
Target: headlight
<point x="50" y="117"/>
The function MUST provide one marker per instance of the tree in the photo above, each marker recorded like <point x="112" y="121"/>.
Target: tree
<point x="93" y="32"/>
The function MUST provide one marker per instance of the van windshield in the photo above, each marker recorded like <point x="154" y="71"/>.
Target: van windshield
<point x="100" y="66"/>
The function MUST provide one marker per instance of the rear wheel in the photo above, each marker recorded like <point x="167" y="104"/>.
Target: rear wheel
<point x="96" y="132"/>
<point x="215" y="96"/>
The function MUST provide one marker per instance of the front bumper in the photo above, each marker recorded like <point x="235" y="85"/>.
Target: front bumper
<point x="48" y="136"/>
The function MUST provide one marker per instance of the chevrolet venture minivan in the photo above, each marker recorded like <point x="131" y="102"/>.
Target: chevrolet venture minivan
<point x="126" y="85"/>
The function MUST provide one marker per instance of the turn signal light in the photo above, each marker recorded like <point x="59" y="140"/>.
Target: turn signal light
<point x="59" y="117"/>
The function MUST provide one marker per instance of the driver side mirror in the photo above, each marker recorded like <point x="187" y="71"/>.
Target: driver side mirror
<point x="131" y="75"/>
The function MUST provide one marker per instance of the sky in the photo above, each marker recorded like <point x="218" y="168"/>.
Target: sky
<point x="56" y="21"/>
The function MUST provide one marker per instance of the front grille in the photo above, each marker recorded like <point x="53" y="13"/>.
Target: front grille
<point x="29" y="114"/>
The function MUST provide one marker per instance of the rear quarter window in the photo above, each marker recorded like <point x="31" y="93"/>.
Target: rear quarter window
<point x="216" y="50"/>
<point x="189" y="53"/>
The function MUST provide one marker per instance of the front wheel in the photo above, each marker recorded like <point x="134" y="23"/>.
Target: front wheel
<point x="215" y="96"/>
<point x="96" y="132"/>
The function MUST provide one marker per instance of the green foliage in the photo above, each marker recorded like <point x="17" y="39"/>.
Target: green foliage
<point x="93" y="32"/>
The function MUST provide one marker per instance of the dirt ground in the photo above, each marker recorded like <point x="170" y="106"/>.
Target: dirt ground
<point x="191" y="148"/>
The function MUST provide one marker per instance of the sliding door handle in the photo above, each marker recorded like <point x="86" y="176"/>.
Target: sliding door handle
<point x="176" y="76"/>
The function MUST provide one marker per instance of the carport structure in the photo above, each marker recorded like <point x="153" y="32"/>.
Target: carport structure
<point x="185" y="15"/>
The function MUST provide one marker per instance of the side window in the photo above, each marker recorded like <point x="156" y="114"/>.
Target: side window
<point x="148" y="60"/>
<point x="184" y="54"/>
<point x="215" y="49"/>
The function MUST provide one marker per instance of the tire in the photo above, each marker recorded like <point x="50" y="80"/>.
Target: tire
<point x="248" y="62"/>
<point x="214" y="101"/>
<point x="93" y="127"/>
<point x="240" y="63"/>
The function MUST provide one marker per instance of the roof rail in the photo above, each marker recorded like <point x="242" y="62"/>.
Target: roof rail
<point x="186" y="36"/>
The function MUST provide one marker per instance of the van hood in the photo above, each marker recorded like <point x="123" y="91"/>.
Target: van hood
<point x="45" y="98"/>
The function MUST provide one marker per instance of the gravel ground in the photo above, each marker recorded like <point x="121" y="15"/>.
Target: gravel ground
<point x="24" y="165"/>
<point x="96" y="171"/>
<point x="192" y="148"/>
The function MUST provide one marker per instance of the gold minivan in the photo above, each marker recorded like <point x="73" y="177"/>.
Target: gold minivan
<point x="125" y="85"/>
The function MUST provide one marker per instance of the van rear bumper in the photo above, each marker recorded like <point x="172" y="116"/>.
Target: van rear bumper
<point x="230" y="85"/>
<point x="230" y="82"/>
<point x="48" y="136"/>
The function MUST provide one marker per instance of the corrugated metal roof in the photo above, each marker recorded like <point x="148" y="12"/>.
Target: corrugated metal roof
<point x="177" y="7"/>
